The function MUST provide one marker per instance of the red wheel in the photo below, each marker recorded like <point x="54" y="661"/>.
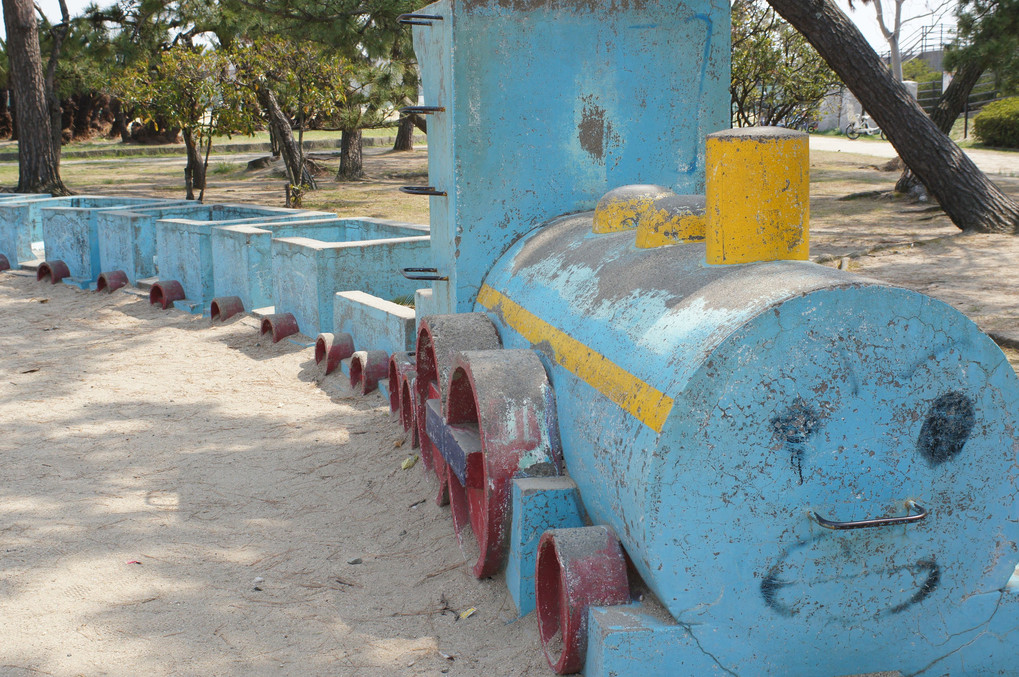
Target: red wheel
<point x="505" y="398"/>
<point x="225" y="307"/>
<point x="331" y="349"/>
<point x="54" y="271"/>
<point x="279" y="326"/>
<point x="576" y="569"/>
<point x="399" y="364"/>
<point x="366" y="368"/>
<point x="440" y="337"/>
<point x="112" y="281"/>
<point x="165" y="292"/>
<point x="407" y="407"/>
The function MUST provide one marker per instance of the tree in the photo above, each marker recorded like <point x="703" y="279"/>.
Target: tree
<point x="891" y="34"/>
<point x="38" y="153"/>
<point x="374" y="43"/>
<point x="193" y="89"/>
<point x="967" y="196"/>
<point x="988" y="34"/>
<point x="297" y="80"/>
<point x="777" y="78"/>
<point x="372" y="93"/>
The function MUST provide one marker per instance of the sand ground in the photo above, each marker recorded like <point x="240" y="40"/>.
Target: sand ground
<point x="155" y="466"/>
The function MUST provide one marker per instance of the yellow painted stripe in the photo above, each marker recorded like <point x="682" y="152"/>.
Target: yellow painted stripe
<point x="644" y="402"/>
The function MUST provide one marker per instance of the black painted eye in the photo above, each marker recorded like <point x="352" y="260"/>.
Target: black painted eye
<point x="949" y="423"/>
<point x="796" y="423"/>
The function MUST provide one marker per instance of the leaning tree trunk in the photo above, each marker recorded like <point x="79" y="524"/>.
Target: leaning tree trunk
<point x="297" y="171"/>
<point x="194" y="171"/>
<point x="351" y="156"/>
<point x="967" y="196"/>
<point x="405" y="134"/>
<point x="950" y="106"/>
<point x="38" y="156"/>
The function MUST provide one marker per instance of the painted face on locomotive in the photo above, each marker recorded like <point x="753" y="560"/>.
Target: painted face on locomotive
<point x="849" y="405"/>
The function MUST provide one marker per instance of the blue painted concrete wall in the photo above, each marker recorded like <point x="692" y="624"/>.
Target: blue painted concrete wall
<point x="705" y="412"/>
<point x="21" y="225"/>
<point x="307" y="273"/>
<point x="184" y="248"/>
<point x="548" y="105"/>
<point x="374" y="323"/>
<point x="70" y="232"/>
<point x="127" y="238"/>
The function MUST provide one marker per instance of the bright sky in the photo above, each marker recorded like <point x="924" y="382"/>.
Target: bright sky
<point x="863" y="15"/>
<point x="915" y="15"/>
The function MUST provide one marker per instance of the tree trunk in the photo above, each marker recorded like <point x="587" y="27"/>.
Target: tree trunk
<point x="297" y="173"/>
<point x="420" y="122"/>
<point x="38" y="155"/>
<point x="944" y="115"/>
<point x="405" y="134"/>
<point x="351" y="157"/>
<point x="57" y="34"/>
<point x="194" y="171"/>
<point x="119" y="127"/>
<point x="6" y="122"/>
<point x="967" y="196"/>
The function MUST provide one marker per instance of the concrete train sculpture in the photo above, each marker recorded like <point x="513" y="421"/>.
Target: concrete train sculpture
<point x="688" y="449"/>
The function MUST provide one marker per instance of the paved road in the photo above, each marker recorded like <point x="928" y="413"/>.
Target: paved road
<point x="989" y="161"/>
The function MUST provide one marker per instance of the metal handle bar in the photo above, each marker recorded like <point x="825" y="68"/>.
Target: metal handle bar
<point x="422" y="110"/>
<point x="422" y="190"/>
<point x="880" y="522"/>
<point x="418" y="19"/>
<point x="430" y="274"/>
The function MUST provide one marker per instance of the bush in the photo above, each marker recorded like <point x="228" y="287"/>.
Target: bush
<point x="998" y="123"/>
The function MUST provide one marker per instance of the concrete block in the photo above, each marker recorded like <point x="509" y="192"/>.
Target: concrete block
<point x="21" y="225"/>
<point x="70" y="233"/>
<point x="184" y="249"/>
<point x="243" y="253"/>
<point x="424" y="305"/>
<point x="307" y="273"/>
<point x="634" y="640"/>
<point x="127" y="238"/>
<point x="375" y="324"/>
<point x="539" y="504"/>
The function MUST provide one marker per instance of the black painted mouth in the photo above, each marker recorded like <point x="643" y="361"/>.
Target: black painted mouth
<point x="842" y="591"/>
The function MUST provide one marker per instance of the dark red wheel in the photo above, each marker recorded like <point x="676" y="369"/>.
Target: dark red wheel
<point x="111" y="281"/>
<point x="407" y="407"/>
<point x="575" y="570"/>
<point x="280" y="326"/>
<point x="504" y="397"/>
<point x="165" y="292"/>
<point x="399" y="364"/>
<point x="440" y="337"/>
<point x="331" y="349"/>
<point x="225" y="307"/>
<point x="54" y="271"/>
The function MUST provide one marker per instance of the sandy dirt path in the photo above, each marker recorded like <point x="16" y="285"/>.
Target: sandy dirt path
<point x="154" y="467"/>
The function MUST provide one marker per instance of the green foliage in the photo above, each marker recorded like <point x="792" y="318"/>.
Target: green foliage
<point x="988" y="33"/>
<point x="381" y="75"/>
<point x="777" y="77"/>
<point x="309" y="81"/>
<point x="998" y="123"/>
<point x="191" y="89"/>
<point x="918" y="71"/>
